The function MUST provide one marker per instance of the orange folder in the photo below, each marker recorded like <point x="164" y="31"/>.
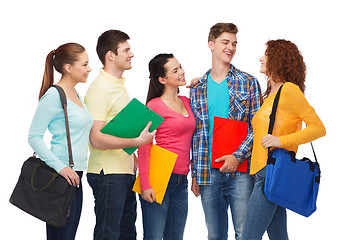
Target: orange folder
<point x="162" y="162"/>
<point x="228" y="135"/>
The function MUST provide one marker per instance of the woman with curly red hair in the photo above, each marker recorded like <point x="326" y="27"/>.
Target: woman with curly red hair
<point x="283" y="65"/>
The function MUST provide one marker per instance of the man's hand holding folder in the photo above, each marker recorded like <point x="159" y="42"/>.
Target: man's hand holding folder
<point x="135" y="124"/>
<point x="146" y="136"/>
<point x="228" y="135"/>
<point x="230" y="163"/>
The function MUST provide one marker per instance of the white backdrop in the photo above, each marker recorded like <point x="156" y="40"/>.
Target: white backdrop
<point x="30" y="29"/>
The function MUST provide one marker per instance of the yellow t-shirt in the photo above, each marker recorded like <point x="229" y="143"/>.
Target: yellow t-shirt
<point x="104" y="99"/>
<point x="293" y="108"/>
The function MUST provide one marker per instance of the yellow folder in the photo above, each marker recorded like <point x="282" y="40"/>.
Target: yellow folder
<point x="162" y="163"/>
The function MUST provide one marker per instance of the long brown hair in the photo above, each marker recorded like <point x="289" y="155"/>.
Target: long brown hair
<point x="157" y="69"/>
<point x="284" y="63"/>
<point x="65" y="54"/>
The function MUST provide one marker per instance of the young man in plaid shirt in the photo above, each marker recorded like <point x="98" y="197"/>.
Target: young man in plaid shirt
<point x="224" y="91"/>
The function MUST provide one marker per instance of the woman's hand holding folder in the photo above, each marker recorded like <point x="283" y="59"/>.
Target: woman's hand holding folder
<point x="148" y="195"/>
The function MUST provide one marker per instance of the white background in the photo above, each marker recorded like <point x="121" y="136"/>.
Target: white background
<point x="30" y="29"/>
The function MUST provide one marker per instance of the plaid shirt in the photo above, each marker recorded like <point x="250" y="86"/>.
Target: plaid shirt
<point x="245" y="94"/>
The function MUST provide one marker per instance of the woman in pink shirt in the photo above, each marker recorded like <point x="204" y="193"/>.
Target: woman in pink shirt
<point x="167" y="220"/>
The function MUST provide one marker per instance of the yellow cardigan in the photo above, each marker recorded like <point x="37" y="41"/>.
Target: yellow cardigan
<point x="293" y="108"/>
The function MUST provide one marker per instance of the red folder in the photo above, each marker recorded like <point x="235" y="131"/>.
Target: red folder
<point x="228" y="135"/>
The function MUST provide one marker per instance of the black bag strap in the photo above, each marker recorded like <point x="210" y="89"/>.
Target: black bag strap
<point x="64" y="106"/>
<point x="273" y="118"/>
<point x="274" y="111"/>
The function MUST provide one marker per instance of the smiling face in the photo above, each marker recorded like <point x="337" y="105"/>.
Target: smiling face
<point x="80" y="69"/>
<point x="263" y="61"/>
<point x="224" y="47"/>
<point x="174" y="75"/>
<point x="124" y="55"/>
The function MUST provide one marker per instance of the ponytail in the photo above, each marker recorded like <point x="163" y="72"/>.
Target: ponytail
<point x="65" y="54"/>
<point x="48" y="76"/>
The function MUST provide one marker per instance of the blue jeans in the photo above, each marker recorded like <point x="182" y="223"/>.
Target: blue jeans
<point x="69" y="231"/>
<point x="263" y="215"/>
<point x="225" y="190"/>
<point x="167" y="220"/>
<point x="115" y="206"/>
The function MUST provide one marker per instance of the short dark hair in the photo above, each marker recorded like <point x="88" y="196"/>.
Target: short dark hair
<point x="219" y="28"/>
<point x="109" y="41"/>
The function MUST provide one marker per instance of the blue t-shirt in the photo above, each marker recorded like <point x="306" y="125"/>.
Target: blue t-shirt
<point x="50" y="115"/>
<point x="217" y="105"/>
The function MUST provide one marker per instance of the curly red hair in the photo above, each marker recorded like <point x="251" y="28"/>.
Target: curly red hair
<point x="284" y="63"/>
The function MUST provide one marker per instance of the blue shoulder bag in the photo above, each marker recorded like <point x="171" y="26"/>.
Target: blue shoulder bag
<point x="290" y="182"/>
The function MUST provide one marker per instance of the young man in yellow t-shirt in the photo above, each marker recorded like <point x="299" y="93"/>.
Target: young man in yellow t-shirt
<point x="111" y="171"/>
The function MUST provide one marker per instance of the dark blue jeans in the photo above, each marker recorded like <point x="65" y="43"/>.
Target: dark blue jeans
<point x="68" y="231"/>
<point x="167" y="220"/>
<point x="115" y="206"/>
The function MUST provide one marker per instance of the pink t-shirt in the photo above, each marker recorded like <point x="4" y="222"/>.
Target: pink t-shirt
<point x="174" y="134"/>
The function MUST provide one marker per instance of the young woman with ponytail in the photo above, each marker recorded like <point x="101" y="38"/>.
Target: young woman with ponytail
<point x="71" y="61"/>
<point x="162" y="221"/>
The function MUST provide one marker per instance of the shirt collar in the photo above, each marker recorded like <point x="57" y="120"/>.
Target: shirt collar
<point x="232" y="71"/>
<point x="112" y="78"/>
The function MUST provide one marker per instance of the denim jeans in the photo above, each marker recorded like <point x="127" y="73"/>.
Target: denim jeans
<point x="115" y="206"/>
<point x="263" y="215"/>
<point x="225" y="190"/>
<point x="167" y="220"/>
<point x="69" y="231"/>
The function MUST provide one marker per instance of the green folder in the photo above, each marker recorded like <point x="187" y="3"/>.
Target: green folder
<point x="131" y="121"/>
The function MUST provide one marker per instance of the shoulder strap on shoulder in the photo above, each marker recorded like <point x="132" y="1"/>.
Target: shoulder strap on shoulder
<point x="64" y="106"/>
<point x="274" y="111"/>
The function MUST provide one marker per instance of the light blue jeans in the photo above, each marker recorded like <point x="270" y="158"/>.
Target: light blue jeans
<point x="216" y="198"/>
<point x="263" y="215"/>
<point x="167" y="220"/>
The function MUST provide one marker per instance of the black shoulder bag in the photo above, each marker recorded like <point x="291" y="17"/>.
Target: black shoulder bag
<point x="40" y="190"/>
